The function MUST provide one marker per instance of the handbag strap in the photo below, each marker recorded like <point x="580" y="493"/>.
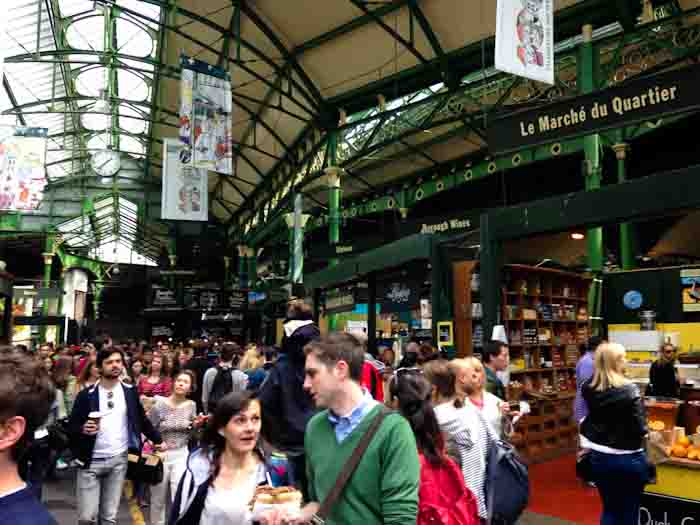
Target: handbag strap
<point x="349" y="467"/>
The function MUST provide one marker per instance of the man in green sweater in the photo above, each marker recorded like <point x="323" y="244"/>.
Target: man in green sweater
<point x="384" y="488"/>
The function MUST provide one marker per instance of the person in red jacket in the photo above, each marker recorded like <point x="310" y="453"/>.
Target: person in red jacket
<point x="443" y="498"/>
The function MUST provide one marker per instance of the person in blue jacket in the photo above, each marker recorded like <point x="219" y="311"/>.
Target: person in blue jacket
<point x="26" y="396"/>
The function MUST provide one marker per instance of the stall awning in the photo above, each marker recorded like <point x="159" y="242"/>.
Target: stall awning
<point x="392" y="255"/>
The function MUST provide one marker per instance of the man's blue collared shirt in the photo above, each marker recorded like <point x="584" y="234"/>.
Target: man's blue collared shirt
<point x="344" y="425"/>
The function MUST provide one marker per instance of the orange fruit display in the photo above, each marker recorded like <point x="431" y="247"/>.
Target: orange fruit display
<point x="683" y="442"/>
<point x="679" y="451"/>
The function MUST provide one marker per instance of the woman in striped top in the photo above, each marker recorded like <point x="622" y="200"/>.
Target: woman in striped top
<point x="468" y="435"/>
<point x="174" y="418"/>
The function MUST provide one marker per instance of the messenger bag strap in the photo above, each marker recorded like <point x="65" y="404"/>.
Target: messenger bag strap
<point x="349" y="468"/>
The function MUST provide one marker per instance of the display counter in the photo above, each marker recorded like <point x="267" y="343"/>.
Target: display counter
<point x="675" y="498"/>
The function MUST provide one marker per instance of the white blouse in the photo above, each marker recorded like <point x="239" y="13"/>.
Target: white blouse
<point x="232" y="507"/>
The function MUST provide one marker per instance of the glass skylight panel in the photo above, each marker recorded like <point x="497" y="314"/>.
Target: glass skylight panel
<point x="99" y="142"/>
<point x="74" y="7"/>
<point x="130" y="144"/>
<point x="95" y="121"/>
<point x="146" y="9"/>
<point x="90" y="81"/>
<point x="86" y="33"/>
<point x="132" y="86"/>
<point x="132" y="120"/>
<point x="132" y="39"/>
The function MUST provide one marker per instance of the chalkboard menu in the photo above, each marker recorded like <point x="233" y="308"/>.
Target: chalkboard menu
<point x="398" y="295"/>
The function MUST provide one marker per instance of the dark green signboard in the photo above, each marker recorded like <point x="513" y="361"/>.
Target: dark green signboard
<point x="636" y="101"/>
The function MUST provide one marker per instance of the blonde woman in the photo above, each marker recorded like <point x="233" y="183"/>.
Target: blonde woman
<point x="614" y="431"/>
<point x="471" y="385"/>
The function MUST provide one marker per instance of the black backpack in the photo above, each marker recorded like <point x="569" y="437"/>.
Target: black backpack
<point x="223" y="384"/>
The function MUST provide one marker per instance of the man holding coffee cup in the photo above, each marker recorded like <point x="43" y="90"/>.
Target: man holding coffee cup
<point x="106" y="423"/>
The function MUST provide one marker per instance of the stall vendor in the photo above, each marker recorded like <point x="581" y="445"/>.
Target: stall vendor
<point x="663" y="376"/>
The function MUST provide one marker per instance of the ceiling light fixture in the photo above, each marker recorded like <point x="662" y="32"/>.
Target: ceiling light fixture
<point x="578" y="236"/>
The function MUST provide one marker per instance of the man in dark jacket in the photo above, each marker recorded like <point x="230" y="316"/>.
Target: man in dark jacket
<point x="106" y="423"/>
<point x="199" y="364"/>
<point x="287" y="408"/>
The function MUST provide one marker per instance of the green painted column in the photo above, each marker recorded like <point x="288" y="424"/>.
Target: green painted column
<point x="628" y="256"/>
<point x="588" y="65"/>
<point x="46" y="281"/>
<point x="243" y="266"/>
<point x="252" y="266"/>
<point x="97" y="299"/>
<point x="333" y="173"/>
<point x="296" y="222"/>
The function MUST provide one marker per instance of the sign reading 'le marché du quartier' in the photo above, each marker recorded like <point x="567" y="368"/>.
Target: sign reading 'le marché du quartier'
<point x="647" y="98"/>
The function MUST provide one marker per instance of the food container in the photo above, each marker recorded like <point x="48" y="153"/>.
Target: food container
<point x="662" y="412"/>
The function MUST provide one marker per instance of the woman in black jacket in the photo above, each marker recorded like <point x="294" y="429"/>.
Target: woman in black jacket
<point x="614" y="431"/>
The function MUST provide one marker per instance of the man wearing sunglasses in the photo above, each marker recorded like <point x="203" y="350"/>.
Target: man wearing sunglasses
<point x="106" y="423"/>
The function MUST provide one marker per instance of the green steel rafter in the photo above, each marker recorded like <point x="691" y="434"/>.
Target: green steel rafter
<point x="282" y="49"/>
<point x="238" y="63"/>
<point x="256" y="118"/>
<point x="360" y="4"/>
<point x="257" y="149"/>
<point x="13" y="100"/>
<point x="385" y="9"/>
<point x="686" y="50"/>
<point x="277" y="107"/>
<point x="424" y="24"/>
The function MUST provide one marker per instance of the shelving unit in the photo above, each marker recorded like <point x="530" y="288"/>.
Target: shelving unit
<point x="468" y="328"/>
<point x="545" y="314"/>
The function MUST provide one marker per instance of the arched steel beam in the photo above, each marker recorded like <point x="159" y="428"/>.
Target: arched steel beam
<point x="272" y="37"/>
<point x="212" y="25"/>
<point x="264" y="124"/>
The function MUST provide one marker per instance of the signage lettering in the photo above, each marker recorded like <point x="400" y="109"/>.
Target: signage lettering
<point x="398" y="293"/>
<point x="644" y="99"/>
<point x="445" y="226"/>
<point x="664" y="510"/>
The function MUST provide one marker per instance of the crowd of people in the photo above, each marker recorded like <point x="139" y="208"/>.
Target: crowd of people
<point x="226" y="420"/>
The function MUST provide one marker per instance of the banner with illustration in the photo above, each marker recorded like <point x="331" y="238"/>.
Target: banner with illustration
<point x="525" y="38"/>
<point x="398" y="295"/>
<point x="205" y="116"/>
<point x="185" y="195"/>
<point x="22" y="167"/>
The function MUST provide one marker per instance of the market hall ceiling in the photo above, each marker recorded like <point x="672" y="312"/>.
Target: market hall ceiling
<point x="396" y="71"/>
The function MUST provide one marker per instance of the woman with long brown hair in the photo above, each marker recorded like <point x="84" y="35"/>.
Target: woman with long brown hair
<point x="158" y="381"/>
<point x="222" y="477"/>
<point x="64" y="380"/>
<point x="468" y="435"/>
<point x="88" y="377"/>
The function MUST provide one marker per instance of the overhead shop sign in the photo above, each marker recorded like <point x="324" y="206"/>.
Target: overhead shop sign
<point x="445" y="225"/>
<point x="339" y="301"/>
<point x="648" y="98"/>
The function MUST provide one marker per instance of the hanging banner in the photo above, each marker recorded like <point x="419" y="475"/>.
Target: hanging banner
<point x="645" y="99"/>
<point x="185" y="195"/>
<point x="525" y="39"/>
<point x="22" y="167"/>
<point x="205" y="116"/>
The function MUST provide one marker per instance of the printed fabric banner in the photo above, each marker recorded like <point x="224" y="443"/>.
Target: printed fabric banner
<point x="185" y="194"/>
<point x="22" y="167"/>
<point x="525" y="38"/>
<point x="205" y="116"/>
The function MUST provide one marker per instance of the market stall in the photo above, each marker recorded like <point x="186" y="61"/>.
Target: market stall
<point x="5" y="307"/>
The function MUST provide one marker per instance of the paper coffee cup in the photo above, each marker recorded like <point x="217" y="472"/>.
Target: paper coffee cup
<point x="95" y="417"/>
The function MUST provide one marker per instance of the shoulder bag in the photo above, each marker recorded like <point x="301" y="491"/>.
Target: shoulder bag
<point x="348" y="469"/>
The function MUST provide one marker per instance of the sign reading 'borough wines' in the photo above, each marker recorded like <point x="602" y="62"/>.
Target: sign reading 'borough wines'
<point x="644" y="99"/>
